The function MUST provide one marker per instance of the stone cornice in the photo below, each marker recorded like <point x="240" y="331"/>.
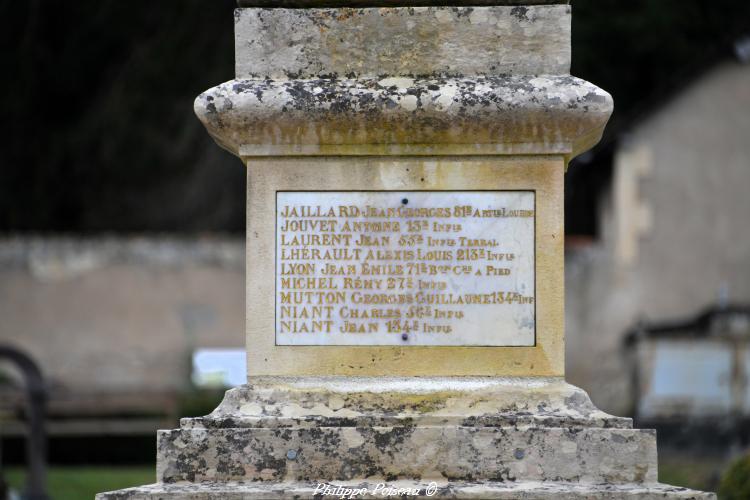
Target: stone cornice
<point x="436" y="116"/>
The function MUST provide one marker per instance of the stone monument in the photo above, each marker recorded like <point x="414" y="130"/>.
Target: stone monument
<point x="405" y="263"/>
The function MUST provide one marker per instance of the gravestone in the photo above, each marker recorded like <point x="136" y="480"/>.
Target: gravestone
<point x="405" y="236"/>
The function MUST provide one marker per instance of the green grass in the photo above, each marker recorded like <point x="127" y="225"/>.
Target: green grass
<point x="691" y="471"/>
<point x="77" y="483"/>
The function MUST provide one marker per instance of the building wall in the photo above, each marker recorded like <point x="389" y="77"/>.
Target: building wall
<point x="675" y="230"/>
<point x="120" y="316"/>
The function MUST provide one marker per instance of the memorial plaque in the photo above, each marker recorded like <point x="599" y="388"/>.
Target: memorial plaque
<point x="421" y="268"/>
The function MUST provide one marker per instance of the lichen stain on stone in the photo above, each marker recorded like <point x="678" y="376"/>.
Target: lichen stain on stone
<point x="420" y="403"/>
<point x="390" y="441"/>
<point x="520" y="12"/>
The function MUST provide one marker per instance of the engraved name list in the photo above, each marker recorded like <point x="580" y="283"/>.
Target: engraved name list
<point x="450" y="268"/>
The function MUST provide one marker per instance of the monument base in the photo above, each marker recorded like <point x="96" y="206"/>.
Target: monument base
<point x="455" y="437"/>
<point x="470" y="490"/>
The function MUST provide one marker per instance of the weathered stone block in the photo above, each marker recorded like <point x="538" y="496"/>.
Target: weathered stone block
<point x="281" y="44"/>
<point x="408" y="452"/>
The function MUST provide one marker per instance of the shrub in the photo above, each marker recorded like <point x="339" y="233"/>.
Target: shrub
<point x="735" y="483"/>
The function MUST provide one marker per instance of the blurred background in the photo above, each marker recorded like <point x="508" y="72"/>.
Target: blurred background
<point x="121" y="231"/>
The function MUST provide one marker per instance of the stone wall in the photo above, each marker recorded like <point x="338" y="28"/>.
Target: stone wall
<point x="116" y="319"/>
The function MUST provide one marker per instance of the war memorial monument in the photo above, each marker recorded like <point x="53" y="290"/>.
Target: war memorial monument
<point x="405" y="292"/>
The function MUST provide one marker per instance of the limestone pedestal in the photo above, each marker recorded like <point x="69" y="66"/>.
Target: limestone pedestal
<point x="459" y="437"/>
<point x="406" y="101"/>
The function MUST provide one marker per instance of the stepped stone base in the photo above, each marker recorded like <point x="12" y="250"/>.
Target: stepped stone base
<point x="477" y="490"/>
<point x="461" y="437"/>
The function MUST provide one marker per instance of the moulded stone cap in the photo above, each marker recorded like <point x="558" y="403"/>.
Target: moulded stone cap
<point x="380" y="401"/>
<point x="479" y="115"/>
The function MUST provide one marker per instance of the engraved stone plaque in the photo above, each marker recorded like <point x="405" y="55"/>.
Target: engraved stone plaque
<point x="434" y="268"/>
